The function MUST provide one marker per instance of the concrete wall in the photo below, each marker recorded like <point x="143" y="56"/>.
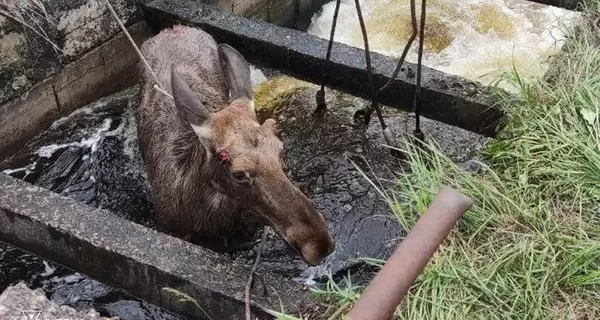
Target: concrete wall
<point x="68" y="29"/>
<point x="71" y="28"/>
<point x="288" y="13"/>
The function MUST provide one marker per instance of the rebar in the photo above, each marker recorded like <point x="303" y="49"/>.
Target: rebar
<point x="369" y="110"/>
<point x="321" y="93"/>
<point x="363" y="29"/>
<point x="376" y="94"/>
<point x="417" y="100"/>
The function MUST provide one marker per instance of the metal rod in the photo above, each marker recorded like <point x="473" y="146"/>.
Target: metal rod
<point x="413" y="36"/>
<point x="363" y="29"/>
<point x="388" y="288"/>
<point x="417" y="100"/>
<point x="321" y="93"/>
<point x="331" y="37"/>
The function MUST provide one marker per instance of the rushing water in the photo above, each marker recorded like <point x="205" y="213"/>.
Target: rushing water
<point x="475" y="39"/>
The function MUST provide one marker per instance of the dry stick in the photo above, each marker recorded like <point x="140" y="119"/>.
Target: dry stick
<point x="339" y="311"/>
<point x="254" y="266"/>
<point x="116" y="17"/>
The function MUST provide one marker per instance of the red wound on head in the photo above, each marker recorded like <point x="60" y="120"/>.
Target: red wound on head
<point x="223" y="155"/>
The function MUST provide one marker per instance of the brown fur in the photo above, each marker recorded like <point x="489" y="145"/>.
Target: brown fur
<point x="193" y="191"/>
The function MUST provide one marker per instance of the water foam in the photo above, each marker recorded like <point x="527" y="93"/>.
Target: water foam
<point x="256" y="76"/>
<point x="87" y="142"/>
<point x="475" y="39"/>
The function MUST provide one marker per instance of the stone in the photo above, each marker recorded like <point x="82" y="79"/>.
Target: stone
<point x="20" y="302"/>
<point x="10" y="45"/>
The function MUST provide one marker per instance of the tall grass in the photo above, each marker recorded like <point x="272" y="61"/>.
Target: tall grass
<point x="530" y="246"/>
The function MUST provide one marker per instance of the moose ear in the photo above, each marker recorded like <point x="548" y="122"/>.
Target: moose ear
<point x="189" y="106"/>
<point x="237" y="72"/>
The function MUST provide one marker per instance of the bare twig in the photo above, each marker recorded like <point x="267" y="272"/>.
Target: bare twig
<point x="19" y="19"/>
<point x="254" y="266"/>
<point x="159" y="89"/>
<point x="157" y="85"/>
<point x="339" y="311"/>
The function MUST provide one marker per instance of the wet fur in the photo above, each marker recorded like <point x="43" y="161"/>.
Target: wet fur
<point x="185" y="180"/>
<point x="194" y="194"/>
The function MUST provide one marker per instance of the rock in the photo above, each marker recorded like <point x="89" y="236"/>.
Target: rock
<point x="19" y="301"/>
<point x="10" y="45"/>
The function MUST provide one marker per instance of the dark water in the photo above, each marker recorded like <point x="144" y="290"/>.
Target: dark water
<point x="65" y="287"/>
<point x="92" y="156"/>
<point x="73" y="158"/>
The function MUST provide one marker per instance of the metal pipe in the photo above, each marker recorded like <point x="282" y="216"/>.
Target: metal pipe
<point x="388" y="288"/>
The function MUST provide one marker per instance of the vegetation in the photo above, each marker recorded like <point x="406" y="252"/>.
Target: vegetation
<point x="30" y="14"/>
<point x="530" y="246"/>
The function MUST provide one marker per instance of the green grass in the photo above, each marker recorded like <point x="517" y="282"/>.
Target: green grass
<point x="530" y="246"/>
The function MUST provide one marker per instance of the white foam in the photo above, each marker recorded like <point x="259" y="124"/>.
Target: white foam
<point x="256" y="76"/>
<point x="92" y="107"/>
<point x="48" y="270"/>
<point x="130" y="145"/>
<point x="28" y="170"/>
<point x="534" y="33"/>
<point x="87" y="142"/>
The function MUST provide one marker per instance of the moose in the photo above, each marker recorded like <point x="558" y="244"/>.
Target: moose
<point x="214" y="171"/>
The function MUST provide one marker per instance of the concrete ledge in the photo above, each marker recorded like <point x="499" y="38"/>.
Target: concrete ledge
<point x="567" y="4"/>
<point x="129" y="256"/>
<point x="449" y="99"/>
<point x="108" y="68"/>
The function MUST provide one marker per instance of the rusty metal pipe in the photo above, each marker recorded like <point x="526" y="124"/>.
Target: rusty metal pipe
<point x="388" y="288"/>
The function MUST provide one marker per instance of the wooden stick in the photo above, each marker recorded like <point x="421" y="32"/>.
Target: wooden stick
<point x="254" y="266"/>
<point x="339" y="311"/>
<point x="157" y="88"/>
<point x="388" y="288"/>
<point x="134" y="45"/>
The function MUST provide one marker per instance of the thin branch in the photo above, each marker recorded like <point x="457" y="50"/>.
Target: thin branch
<point x="146" y="64"/>
<point x="249" y="285"/>
<point x="159" y="89"/>
<point x="339" y="311"/>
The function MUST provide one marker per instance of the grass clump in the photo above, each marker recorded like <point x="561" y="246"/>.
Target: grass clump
<point x="530" y="246"/>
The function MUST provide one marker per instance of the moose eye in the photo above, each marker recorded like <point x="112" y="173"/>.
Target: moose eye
<point x="241" y="176"/>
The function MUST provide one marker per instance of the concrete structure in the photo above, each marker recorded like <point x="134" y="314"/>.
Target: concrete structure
<point x="104" y="70"/>
<point x="142" y="261"/>
<point x="449" y="99"/>
<point x="567" y="4"/>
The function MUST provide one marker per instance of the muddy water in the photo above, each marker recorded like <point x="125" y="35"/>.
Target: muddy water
<point x="92" y="156"/>
<point x="475" y="39"/>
